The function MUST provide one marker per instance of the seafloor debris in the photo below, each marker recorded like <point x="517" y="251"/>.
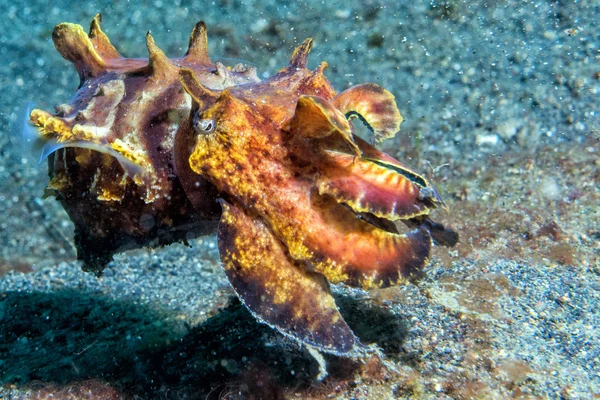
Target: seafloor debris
<point x="147" y="149"/>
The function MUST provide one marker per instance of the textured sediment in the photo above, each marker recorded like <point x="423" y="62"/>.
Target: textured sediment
<point x="505" y="94"/>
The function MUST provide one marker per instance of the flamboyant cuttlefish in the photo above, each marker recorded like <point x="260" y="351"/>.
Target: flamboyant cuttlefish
<point x="145" y="151"/>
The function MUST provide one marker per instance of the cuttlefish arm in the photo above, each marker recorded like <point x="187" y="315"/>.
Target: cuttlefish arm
<point x="374" y="106"/>
<point x="373" y="186"/>
<point x="278" y="290"/>
<point x="347" y="249"/>
<point x="384" y="188"/>
<point x="361" y="179"/>
<point x="315" y="118"/>
<point x="376" y="184"/>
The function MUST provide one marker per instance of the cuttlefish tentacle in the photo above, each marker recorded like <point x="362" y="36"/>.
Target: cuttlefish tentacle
<point x="374" y="106"/>
<point x="274" y="287"/>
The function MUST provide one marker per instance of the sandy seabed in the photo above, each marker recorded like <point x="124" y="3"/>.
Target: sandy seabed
<point x="500" y="100"/>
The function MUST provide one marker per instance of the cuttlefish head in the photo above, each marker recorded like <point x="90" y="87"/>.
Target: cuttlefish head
<point x="239" y="151"/>
<point x="306" y="202"/>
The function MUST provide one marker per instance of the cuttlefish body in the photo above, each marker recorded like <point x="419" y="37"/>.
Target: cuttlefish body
<point x="304" y="200"/>
<point x="145" y="151"/>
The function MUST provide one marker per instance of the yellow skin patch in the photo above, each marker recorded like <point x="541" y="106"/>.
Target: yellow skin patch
<point x="275" y="288"/>
<point x="137" y="157"/>
<point x="49" y="125"/>
<point x="58" y="182"/>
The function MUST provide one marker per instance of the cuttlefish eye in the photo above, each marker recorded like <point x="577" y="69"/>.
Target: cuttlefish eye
<point x="203" y="125"/>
